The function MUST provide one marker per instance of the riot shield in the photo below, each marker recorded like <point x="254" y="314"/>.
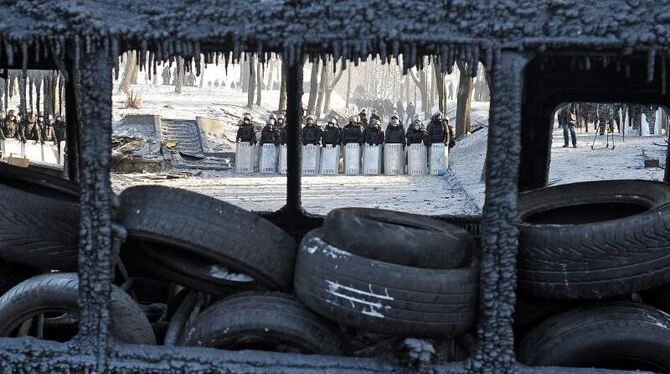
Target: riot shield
<point x="438" y="159"/>
<point x="268" y="161"/>
<point x="245" y="157"/>
<point x="417" y="163"/>
<point x="310" y="159"/>
<point x="330" y="159"/>
<point x="394" y="159"/>
<point x="352" y="159"/>
<point x="372" y="159"/>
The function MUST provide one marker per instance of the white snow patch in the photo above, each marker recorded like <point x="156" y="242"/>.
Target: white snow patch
<point x="358" y="297"/>
<point x="314" y="244"/>
<point x="222" y="272"/>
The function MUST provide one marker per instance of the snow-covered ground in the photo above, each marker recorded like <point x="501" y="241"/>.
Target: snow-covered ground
<point x="461" y="192"/>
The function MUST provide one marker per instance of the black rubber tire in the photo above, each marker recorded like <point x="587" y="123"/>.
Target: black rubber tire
<point x="143" y="260"/>
<point x="37" y="183"/>
<point x="60" y="291"/>
<point x="383" y="297"/>
<point x="399" y="238"/>
<point x="37" y="231"/>
<point x="237" y="321"/>
<point x="208" y="227"/>
<point x="603" y="336"/>
<point x="594" y="239"/>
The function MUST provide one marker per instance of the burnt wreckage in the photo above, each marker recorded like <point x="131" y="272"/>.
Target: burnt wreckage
<point x="539" y="53"/>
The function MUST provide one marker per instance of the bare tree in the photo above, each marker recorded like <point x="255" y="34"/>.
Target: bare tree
<point x="329" y="89"/>
<point x="259" y="81"/>
<point x="464" y="99"/>
<point x="282" y="89"/>
<point x="439" y="81"/>
<point x="348" y="87"/>
<point x="252" y="83"/>
<point x="271" y="68"/>
<point x="244" y="76"/>
<point x="179" y="75"/>
<point x="313" y="86"/>
<point x="323" y="86"/>
<point x="128" y="71"/>
<point x="422" y="85"/>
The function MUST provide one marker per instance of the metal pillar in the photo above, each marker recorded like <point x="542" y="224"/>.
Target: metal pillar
<point x="495" y="338"/>
<point x="95" y="243"/>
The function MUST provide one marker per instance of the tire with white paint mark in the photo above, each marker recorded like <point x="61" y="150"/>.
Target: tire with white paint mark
<point x="593" y="240"/>
<point x="263" y="321"/>
<point x="186" y="222"/>
<point x="399" y="238"/>
<point x="383" y="297"/>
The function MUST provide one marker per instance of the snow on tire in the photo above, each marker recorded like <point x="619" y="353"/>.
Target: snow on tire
<point x="209" y="228"/>
<point x="383" y="297"/>
<point x="594" y="239"/>
<point x="615" y="336"/>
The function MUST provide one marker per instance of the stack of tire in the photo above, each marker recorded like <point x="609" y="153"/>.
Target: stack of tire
<point x="593" y="268"/>
<point x="390" y="273"/>
<point x="197" y="271"/>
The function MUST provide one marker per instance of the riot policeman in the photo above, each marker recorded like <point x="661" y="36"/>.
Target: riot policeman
<point x="246" y="132"/>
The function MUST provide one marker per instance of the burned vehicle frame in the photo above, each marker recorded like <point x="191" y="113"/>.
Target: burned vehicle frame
<point x="526" y="46"/>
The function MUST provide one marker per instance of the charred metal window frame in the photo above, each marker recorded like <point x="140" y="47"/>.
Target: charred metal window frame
<point x="508" y="36"/>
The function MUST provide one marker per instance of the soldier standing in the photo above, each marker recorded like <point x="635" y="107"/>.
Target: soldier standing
<point x="246" y="132"/>
<point x="311" y="133"/>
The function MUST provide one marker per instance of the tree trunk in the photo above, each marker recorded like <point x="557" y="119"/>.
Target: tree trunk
<point x="180" y="75"/>
<point x="203" y="67"/>
<point x="259" y="80"/>
<point x="252" y="83"/>
<point x="129" y="67"/>
<point x="323" y="87"/>
<point x="464" y="97"/>
<point x="271" y="66"/>
<point x="407" y="98"/>
<point x="329" y="90"/>
<point x="313" y="87"/>
<point x="282" y="89"/>
<point x="348" y="87"/>
<point x="439" y="80"/>
<point x="244" y="76"/>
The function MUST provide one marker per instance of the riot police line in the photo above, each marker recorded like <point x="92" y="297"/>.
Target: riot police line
<point x="37" y="138"/>
<point x="362" y="146"/>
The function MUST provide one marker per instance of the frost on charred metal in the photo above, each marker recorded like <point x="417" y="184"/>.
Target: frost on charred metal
<point x="86" y="37"/>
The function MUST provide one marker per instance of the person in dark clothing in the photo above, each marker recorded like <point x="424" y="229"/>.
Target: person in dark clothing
<point x="437" y="130"/>
<point x="410" y="112"/>
<point x="568" y="125"/>
<point x="281" y="124"/>
<point x="400" y="110"/>
<point x="332" y="134"/>
<point x="374" y="135"/>
<point x="416" y="134"/>
<point x="311" y="133"/>
<point x="395" y="132"/>
<point x="353" y="132"/>
<point x="30" y="131"/>
<point x="11" y="126"/>
<point x="270" y="134"/>
<point x="47" y="128"/>
<point x="246" y="132"/>
<point x="376" y="116"/>
<point x="59" y="130"/>
<point x="363" y="115"/>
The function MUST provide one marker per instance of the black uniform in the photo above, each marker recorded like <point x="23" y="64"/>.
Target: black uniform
<point x="11" y="128"/>
<point x="375" y="117"/>
<point x="364" y="118"/>
<point x="30" y="131"/>
<point x="352" y="133"/>
<point x="283" y="135"/>
<point x="59" y="131"/>
<point x="270" y="135"/>
<point x="417" y="136"/>
<point x="395" y="134"/>
<point x="437" y="131"/>
<point x="311" y="134"/>
<point x="246" y="133"/>
<point x="374" y="136"/>
<point x="331" y="135"/>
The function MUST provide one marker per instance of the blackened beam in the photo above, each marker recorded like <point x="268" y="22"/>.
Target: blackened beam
<point x="499" y="233"/>
<point x="294" y="121"/>
<point x="72" y="139"/>
<point x="95" y="253"/>
<point x="31" y="355"/>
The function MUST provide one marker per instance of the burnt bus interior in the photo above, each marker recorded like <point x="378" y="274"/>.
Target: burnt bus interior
<point x="527" y="85"/>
